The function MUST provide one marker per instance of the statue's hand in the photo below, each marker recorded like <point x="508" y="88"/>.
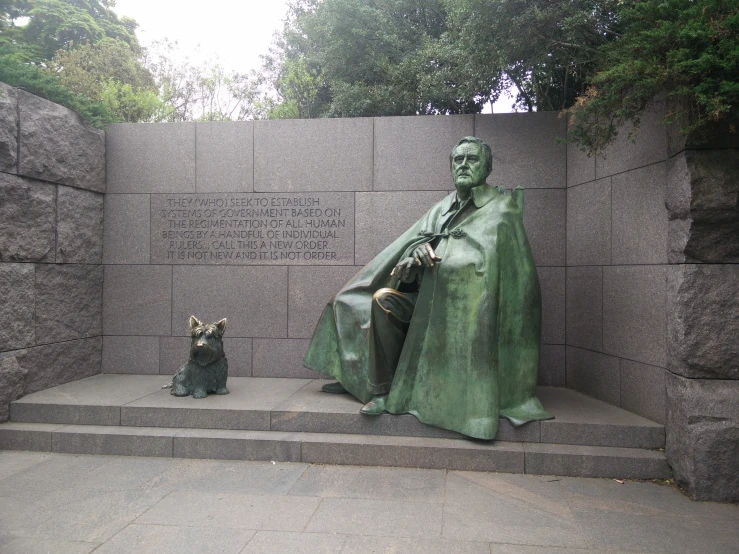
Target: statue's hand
<point x="407" y="268"/>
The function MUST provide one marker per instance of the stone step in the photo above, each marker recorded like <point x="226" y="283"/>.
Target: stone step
<point x="337" y="448"/>
<point x="298" y="406"/>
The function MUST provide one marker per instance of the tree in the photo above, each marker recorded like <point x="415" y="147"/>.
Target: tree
<point x="203" y="91"/>
<point x="109" y="71"/>
<point x="77" y="53"/>
<point x="365" y="57"/>
<point x="686" y="50"/>
<point x="604" y="60"/>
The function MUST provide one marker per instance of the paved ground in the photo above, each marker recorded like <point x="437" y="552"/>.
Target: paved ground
<point x="61" y="503"/>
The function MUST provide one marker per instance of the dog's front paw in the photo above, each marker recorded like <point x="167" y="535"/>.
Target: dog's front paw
<point x="222" y="390"/>
<point x="199" y="394"/>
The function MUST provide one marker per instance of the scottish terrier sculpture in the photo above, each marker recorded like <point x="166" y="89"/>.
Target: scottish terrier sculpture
<point x="207" y="369"/>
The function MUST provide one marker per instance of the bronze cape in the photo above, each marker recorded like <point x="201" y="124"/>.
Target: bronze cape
<point x="471" y="353"/>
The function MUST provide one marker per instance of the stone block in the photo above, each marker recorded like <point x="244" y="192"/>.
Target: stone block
<point x="8" y="129"/>
<point x="79" y="226"/>
<point x="253" y="299"/>
<point x="57" y="146"/>
<point x="552" y="281"/>
<point x="113" y="441"/>
<point x="585" y="307"/>
<point x="649" y="146"/>
<point x="224" y="156"/>
<point x="431" y="453"/>
<point x="639" y="216"/>
<point x="703" y="320"/>
<point x="643" y="390"/>
<point x="229" y="511"/>
<point x="580" y="166"/>
<point x="516" y="140"/>
<point x="595" y="461"/>
<point x="379" y="517"/>
<point x="545" y="217"/>
<point x="253" y="229"/>
<point x="158" y="538"/>
<point x="309" y="290"/>
<point x="12" y="382"/>
<point x="236" y="445"/>
<point x="54" y="364"/>
<point x="27" y="220"/>
<point x="703" y="436"/>
<point x="634" y="313"/>
<point x="134" y="355"/>
<point x="281" y="358"/>
<point x="69" y="300"/>
<point x="719" y="135"/>
<point x="137" y="300"/>
<point x="595" y="374"/>
<point x="324" y="154"/>
<point x="702" y="206"/>
<point x="382" y="217"/>
<point x="127" y="237"/>
<point x="17" y="305"/>
<point x="64" y="413"/>
<point x="151" y="157"/>
<point x="583" y="420"/>
<point x="552" y="369"/>
<point x="412" y="153"/>
<point x="34" y="437"/>
<point x="589" y="223"/>
<point x="174" y="351"/>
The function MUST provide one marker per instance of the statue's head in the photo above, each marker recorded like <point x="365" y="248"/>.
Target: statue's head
<point x="471" y="161"/>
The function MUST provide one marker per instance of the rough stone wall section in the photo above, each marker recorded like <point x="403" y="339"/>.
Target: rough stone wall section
<point x="703" y="316"/>
<point x="52" y="180"/>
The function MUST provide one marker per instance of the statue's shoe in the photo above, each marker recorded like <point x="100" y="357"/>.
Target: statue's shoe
<point x="376" y="406"/>
<point x="334" y="388"/>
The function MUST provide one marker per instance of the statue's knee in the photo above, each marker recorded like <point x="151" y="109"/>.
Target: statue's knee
<point x="380" y="294"/>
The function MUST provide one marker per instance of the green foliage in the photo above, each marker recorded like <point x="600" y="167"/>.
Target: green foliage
<point x="41" y="83"/>
<point x="109" y="71"/>
<point x="346" y="58"/>
<point x="603" y="59"/>
<point x="686" y="50"/>
<point x="79" y="54"/>
<point x="56" y="24"/>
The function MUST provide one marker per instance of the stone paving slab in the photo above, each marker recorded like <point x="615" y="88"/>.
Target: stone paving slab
<point x="73" y="504"/>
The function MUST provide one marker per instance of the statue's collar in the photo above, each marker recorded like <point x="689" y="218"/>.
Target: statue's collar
<point x="481" y="195"/>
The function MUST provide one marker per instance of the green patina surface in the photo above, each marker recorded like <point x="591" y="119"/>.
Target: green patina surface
<point x="471" y="353"/>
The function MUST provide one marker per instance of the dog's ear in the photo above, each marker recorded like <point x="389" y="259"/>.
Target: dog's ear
<point x="194" y="322"/>
<point x="221" y="325"/>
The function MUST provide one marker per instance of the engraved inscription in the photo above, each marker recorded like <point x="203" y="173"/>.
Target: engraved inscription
<point x="290" y="228"/>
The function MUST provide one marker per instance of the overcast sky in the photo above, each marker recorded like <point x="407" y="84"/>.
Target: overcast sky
<point x="234" y="31"/>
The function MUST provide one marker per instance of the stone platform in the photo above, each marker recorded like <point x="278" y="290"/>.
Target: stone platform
<point x="292" y="420"/>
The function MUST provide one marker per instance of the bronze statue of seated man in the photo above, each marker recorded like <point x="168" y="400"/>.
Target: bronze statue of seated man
<point x="445" y="322"/>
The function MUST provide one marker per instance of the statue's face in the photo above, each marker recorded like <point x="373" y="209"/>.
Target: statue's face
<point x="468" y="167"/>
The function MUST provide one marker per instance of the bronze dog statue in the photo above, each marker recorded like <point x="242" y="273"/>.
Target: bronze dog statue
<point x="207" y="369"/>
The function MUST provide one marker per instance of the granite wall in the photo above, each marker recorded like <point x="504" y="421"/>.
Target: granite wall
<point x="617" y="271"/>
<point x="653" y="292"/>
<point x="262" y="222"/>
<point x="52" y="180"/>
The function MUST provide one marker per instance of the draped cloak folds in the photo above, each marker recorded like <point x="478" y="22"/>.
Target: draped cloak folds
<point x="471" y="353"/>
